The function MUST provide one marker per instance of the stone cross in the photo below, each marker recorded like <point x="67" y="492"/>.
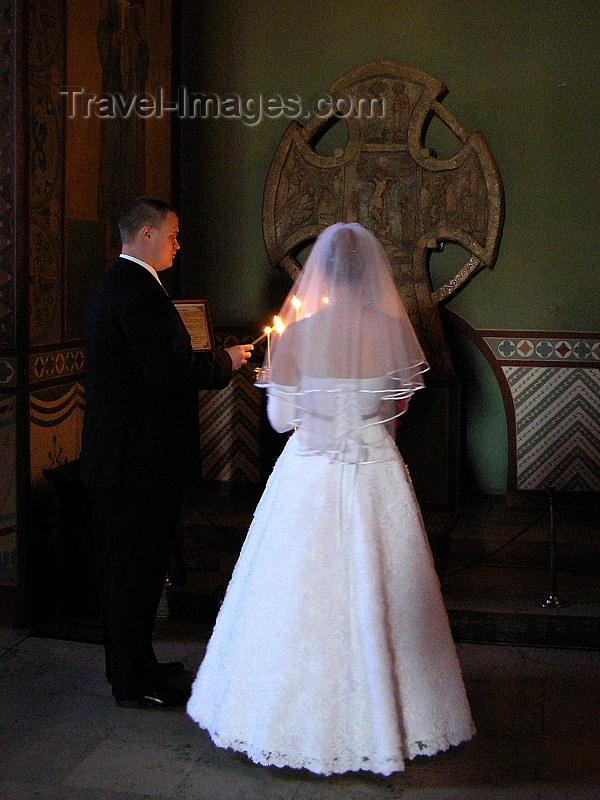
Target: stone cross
<point x="386" y="179"/>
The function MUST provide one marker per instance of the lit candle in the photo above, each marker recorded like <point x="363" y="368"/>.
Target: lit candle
<point x="326" y="300"/>
<point x="278" y="325"/>
<point x="296" y="304"/>
<point x="268" y="335"/>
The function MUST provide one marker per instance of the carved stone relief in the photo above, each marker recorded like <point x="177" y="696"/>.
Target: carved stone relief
<point x="388" y="181"/>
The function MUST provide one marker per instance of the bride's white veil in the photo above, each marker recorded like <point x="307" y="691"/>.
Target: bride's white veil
<point x="343" y="321"/>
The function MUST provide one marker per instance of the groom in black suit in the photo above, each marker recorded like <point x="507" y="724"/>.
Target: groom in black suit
<point x="140" y="441"/>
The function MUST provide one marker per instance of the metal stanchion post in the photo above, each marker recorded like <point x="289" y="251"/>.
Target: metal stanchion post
<point x="552" y="601"/>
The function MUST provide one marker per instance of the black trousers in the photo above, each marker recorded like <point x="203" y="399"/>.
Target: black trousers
<point x="134" y="530"/>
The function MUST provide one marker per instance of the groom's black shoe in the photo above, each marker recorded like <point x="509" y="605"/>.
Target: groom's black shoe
<point x="162" y="696"/>
<point x="165" y="695"/>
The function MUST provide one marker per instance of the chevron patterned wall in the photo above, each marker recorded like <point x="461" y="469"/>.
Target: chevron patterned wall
<point x="550" y="384"/>
<point x="552" y="396"/>
<point x="557" y="418"/>
<point x="230" y="430"/>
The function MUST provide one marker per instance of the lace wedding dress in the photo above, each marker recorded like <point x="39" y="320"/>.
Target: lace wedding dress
<point x="332" y="650"/>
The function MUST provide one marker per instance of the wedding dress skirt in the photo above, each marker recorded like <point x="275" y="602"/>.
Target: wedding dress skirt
<point x="332" y="650"/>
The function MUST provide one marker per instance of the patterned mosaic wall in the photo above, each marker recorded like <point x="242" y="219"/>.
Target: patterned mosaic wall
<point x="8" y="358"/>
<point x="229" y="430"/>
<point x="230" y="422"/>
<point x="550" y="382"/>
<point x="46" y="126"/>
<point x="7" y="179"/>
<point x="557" y="421"/>
<point x="56" y="403"/>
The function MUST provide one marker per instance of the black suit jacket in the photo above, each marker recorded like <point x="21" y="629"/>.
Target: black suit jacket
<point x="142" y="380"/>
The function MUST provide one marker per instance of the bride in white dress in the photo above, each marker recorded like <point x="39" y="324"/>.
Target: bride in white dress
<point x="332" y="650"/>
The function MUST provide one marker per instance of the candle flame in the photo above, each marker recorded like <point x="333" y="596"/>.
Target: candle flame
<point x="295" y="302"/>
<point x="278" y="325"/>
<point x="268" y="330"/>
<point x="325" y="300"/>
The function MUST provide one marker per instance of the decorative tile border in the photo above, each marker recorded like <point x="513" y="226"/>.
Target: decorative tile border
<point x="69" y="362"/>
<point x="545" y="348"/>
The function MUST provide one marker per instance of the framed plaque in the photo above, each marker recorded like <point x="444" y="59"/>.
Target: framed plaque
<point x="196" y="318"/>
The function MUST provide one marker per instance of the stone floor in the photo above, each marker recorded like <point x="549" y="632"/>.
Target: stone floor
<point x="63" y="738"/>
<point x="537" y="709"/>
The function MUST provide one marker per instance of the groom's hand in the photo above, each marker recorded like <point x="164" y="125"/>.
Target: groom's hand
<point x="239" y="354"/>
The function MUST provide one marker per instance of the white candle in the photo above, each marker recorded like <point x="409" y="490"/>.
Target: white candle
<point x="296" y="304"/>
<point x="268" y="335"/>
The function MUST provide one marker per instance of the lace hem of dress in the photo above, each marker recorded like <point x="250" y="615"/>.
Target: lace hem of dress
<point x="349" y="762"/>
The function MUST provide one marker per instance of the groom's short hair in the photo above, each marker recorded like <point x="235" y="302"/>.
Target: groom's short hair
<point x="143" y="211"/>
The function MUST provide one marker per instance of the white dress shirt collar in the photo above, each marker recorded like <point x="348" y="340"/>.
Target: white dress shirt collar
<point x="150" y="269"/>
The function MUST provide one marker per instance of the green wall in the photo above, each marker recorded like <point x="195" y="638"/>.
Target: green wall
<point x="525" y="74"/>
